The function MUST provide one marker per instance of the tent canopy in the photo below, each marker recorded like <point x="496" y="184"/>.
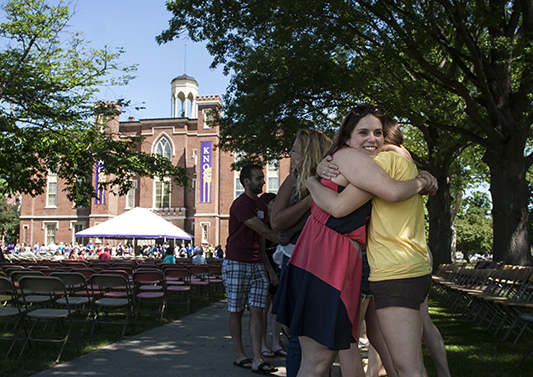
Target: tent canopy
<point x="136" y="223"/>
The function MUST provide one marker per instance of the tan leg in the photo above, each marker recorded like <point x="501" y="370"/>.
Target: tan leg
<point x="350" y="359"/>
<point x="264" y="345"/>
<point x="316" y="358"/>
<point x="402" y="331"/>
<point x="235" y="328"/>
<point x="434" y="342"/>
<point x="351" y="362"/>
<point x="378" y="342"/>
<point x="374" y="362"/>
<point x="276" y="330"/>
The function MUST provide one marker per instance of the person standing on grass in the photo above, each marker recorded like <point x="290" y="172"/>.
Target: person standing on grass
<point x="243" y="270"/>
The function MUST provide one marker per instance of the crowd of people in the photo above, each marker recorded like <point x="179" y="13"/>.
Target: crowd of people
<point x="75" y="250"/>
<point x="351" y="247"/>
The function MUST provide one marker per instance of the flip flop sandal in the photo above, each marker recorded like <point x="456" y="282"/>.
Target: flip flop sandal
<point x="242" y="364"/>
<point x="268" y="353"/>
<point x="261" y="368"/>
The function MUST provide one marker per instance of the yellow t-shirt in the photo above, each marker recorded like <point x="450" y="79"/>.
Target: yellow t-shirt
<point x="396" y="235"/>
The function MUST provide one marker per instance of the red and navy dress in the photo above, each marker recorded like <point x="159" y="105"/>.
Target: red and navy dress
<point x="319" y="291"/>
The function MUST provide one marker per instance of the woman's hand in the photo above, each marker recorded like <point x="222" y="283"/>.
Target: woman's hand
<point x="432" y="184"/>
<point x="326" y="169"/>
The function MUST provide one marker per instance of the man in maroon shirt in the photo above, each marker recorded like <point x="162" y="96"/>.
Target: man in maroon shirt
<point x="243" y="270"/>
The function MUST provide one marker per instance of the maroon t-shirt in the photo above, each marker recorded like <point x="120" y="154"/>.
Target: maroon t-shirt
<point x="243" y="243"/>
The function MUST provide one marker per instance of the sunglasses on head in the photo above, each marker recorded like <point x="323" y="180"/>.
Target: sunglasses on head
<point x="362" y="110"/>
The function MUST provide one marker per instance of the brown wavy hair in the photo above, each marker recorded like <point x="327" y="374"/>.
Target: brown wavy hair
<point x="392" y="132"/>
<point x="350" y="122"/>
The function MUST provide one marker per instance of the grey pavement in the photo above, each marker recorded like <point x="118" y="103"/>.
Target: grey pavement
<point x="197" y="345"/>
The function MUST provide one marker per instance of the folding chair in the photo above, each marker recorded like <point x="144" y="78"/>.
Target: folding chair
<point x="14" y="311"/>
<point x="149" y="288"/>
<point x="75" y="282"/>
<point x="113" y="301"/>
<point x="30" y="299"/>
<point x="215" y="278"/>
<point x="178" y="281"/>
<point x="9" y="270"/>
<point x="528" y="319"/>
<point x="46" y="286"/>
<point x="201" y="281"/>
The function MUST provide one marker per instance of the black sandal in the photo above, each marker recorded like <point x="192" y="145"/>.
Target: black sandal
<point x="261" y="368"/>
<point x="242" y="363"/>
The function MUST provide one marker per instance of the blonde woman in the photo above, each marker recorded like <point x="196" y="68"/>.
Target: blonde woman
<point x="293" y="207"/>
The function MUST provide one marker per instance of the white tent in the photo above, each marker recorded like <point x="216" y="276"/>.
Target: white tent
<point x="136" y="223"/>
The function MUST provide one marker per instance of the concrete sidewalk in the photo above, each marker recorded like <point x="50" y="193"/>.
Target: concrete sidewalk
<point x="197" y="345"/>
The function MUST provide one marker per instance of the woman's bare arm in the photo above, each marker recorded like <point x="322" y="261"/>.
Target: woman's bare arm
<point x="337" y="205"/>
<point x="283" y="217"/>
<point x="363" y="172"/>
<point x="360" y="168"/>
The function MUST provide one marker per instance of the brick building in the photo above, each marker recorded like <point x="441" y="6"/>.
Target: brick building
<point x="188" y="139"/>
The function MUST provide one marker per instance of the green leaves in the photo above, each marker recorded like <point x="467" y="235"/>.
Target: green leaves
<point x="49" y="78"/>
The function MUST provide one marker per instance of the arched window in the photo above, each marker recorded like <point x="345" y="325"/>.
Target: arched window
<point x="163" y="148"/>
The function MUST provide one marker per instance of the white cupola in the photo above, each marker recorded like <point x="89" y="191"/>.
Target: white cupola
<point x="184" y="93"/>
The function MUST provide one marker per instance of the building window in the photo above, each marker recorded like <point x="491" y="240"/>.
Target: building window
<point x="130" y="196"/>
<point x="51" y="199"/>
<point x="205" y="232"/>
<point x="239" y="188"/>
<point x="163" y="148"/>
<point x="207" y="118"/>
<point x="193" y="185"/>
<point x="26" y="229"/>
<point x="273" y="177"/>
<point x="162" y="194"/>
<point x="50" y="233"/>
<point x="195" y="158"/>
<point x="78" y="227"/>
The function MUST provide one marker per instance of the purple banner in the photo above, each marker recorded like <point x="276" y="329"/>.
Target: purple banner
<point x="100" y="178"/>
<point x="206" y="173"/>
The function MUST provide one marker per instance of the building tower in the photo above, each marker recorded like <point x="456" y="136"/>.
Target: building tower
<point x="184" y="92"/>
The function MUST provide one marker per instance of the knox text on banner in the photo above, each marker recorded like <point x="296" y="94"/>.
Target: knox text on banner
<point x="206" y="172"/>
<point x="100" y="180"/>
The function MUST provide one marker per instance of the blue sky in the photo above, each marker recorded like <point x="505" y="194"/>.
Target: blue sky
<point x="133" y="25"/>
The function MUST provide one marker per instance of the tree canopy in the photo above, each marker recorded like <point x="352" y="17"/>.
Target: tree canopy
<point x="459" y="71"/>
<point x="49" y="80"/>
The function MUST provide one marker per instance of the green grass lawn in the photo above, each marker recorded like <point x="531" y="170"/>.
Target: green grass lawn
<point x="474" y="351"/>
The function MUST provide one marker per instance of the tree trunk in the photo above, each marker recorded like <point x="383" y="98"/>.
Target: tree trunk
<point x="510" y="196"/>
<point x="440" y="218"/>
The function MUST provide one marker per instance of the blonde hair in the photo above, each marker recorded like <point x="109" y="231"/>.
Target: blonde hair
<point x="313" y="147"/>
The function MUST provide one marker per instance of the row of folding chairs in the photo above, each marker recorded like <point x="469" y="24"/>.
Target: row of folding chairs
<point x="204" y="278"/>
<point x="35" y="297"/>
<point x="492" y="297"/>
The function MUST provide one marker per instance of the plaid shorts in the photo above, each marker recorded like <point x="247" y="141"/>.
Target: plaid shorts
<point x="246" y="283"/>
